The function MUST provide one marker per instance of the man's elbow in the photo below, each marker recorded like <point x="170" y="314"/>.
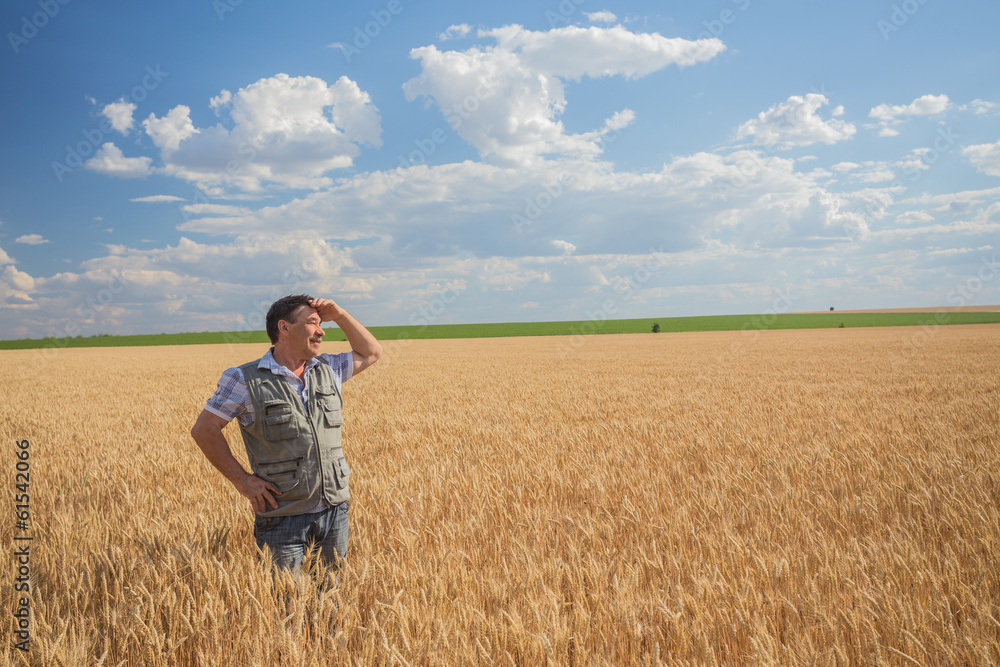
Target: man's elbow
<point x="202" y="428"/>
<point x="196" y="431"/>
<point x="376" y="354"/>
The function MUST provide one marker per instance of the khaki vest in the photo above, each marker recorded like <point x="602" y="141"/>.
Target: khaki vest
<point x="299" y="453"/>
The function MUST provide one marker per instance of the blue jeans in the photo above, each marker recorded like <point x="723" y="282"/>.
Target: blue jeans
<point x="290" y="536"/>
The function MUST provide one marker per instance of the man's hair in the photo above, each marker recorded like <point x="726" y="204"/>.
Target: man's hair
<point x="283" y="309"/>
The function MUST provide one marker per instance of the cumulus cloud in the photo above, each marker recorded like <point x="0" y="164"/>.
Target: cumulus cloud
<point x="110" y="161"/>
<point x="19" y="280"/>
<point x="120" y="115"/>
<point x="890" y="116"/>
<point x="169" y="131"/>
<point x="505" y="100"/>
<point x="748" y="197"/>
<point x="31" y="239"/>
<point x="796" y="122"/>
<point x="564" y="247"/>
<point x="985" y="157"/>
<point x="15" y="285"/>
<point x="285" y="132"/>
<point x="220" y="101"/>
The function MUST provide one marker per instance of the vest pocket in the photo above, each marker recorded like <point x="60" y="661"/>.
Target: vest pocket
<point x="333" y="418"/>
<point x="284" y="474"/>
<point x="280" y="422"/>
<point x="343" y="472"/>
<point x="331" y="405"/>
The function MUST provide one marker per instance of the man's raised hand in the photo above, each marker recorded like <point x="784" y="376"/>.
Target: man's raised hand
<point x="328" y="309"/>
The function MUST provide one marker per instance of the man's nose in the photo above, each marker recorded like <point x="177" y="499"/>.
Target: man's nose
<point x="320" y="332"/>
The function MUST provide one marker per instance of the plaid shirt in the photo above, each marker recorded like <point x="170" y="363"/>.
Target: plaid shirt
<point x="232" y="400"/>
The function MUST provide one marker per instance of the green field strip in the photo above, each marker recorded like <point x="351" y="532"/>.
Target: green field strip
<point x="507" y="329"/>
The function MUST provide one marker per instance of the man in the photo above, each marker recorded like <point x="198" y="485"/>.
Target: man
<point x="288" y="405"/>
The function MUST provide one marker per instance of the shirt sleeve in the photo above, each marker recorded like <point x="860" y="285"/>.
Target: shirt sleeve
<point x="231" y="399"/>
<point x="342" y="365"/>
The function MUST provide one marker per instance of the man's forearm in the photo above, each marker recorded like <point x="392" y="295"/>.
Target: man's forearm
<point x="216" y="449"/>
<point x="362" y="341"/>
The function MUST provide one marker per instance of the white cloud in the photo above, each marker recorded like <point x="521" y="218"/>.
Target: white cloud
<point x="889" y="116"/>
<point x="31" y="239"/>
<point x="220" y="101"/>
<point x="603" y="16"/>
<point x="756" y="198"/>
<point x="505" y="100"/>
<point x="982" y="107"/>
<point x="454" y="31"/>
<point x="796" y="123"/>
<point x="19" y="280"/>
<point x="157" y="199"/>
<point x="286" y="132"/>
<point x="15" y="286"/>
<point x="169" y="131"/>
<point x="564" y="247"/>
<point x="573" y="52"/>
<point x="110" y="161"/>
<point x="120" y="115"/>
<point x="985" y="157"/>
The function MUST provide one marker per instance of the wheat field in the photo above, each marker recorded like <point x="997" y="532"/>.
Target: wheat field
<point x="781" y="497"/>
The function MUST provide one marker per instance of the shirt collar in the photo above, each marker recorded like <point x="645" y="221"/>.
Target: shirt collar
<point x="267" y="362"/>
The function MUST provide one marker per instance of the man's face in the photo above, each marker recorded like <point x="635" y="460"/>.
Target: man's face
<point x="304" y="332"/>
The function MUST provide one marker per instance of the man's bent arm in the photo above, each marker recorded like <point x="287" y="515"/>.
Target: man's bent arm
<point x="207" y="432"/>
<point x="367" y="350"/>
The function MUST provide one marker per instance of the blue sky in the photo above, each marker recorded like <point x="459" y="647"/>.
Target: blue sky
<point x="176" y="166"/>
